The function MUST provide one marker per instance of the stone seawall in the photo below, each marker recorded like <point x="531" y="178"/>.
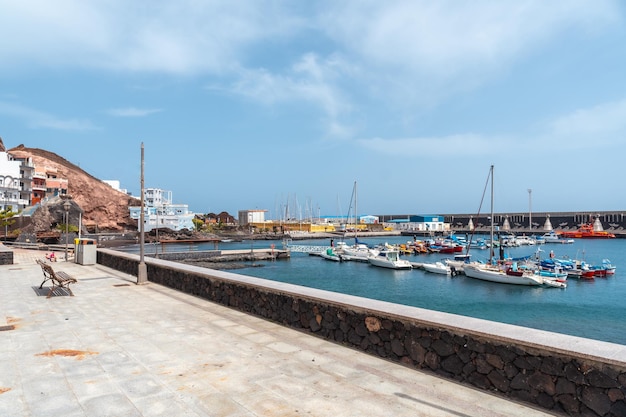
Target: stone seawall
<point x="6" y="255"/>
<point x="560" y="373"/>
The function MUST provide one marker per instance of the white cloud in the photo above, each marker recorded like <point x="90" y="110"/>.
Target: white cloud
<point x="583" y="129"/>
<point x="418" y="53"/>
<point x="310" y="80"/>
<point x="183" y="37"/>
<point x="35" y="119"/>
<point x="444" y="38"/>
<point x="433" y="147"/>
<point x="132" y="112"/>
<point x="604" y="121"/>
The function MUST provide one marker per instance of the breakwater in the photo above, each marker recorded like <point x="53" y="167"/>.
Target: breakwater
<point x="564" y="374"/>
<point x="529" y="223"/>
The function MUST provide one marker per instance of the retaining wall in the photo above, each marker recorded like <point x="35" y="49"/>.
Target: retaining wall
<point x="6" y="255"/>
<point x="564" y="374"/>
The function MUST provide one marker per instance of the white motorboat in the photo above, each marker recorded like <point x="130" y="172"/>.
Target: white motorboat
<point x="552" y="237"/>
<point x="525" y="240"/>
<point x="553" y="282"/>
<point x="358" y="252"/>
<point x="390" y="258"/>
<point x="457" y="264"/>
<point x="330" y="255"/>
<point x="437" y="268"/>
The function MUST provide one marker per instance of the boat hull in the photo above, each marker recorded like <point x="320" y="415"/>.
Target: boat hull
<point x="437" y="268"/>
<point x="484" y="274"/>
<point x="383" y="263"/>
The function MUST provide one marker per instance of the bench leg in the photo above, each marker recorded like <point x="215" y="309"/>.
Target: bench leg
<point x="59" y="286"/>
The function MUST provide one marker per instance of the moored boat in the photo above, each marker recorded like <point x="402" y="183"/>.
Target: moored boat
<point x="495" y="273"/>
<point x="390" y="258"/>
<point x="587" y="231"/>
<point x="608" y="266"/>
<point x="437" y="268"/>
<point x="552" y="237"/>
<point x="330" y="255"/>
<point x="499" y="272"/>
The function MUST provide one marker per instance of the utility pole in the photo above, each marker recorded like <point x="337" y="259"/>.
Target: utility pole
<point x="66" y="209"/>
<point x="142" y="272"/>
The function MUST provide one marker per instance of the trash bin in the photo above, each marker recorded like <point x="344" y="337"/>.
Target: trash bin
<point x="85" y="251"/>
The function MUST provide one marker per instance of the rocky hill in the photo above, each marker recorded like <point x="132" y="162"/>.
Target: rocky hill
<point x="103" y="208"/>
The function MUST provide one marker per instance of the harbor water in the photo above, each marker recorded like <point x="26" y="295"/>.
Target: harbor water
<point x="594" y="309"/>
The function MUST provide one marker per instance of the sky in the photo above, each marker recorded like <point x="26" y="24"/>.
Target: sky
<point x="284" y="106"/>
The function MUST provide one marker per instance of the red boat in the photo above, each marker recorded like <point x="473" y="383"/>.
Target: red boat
<point x="451" y="249"/>
<point x="588" y="274"/>
<point x="586" y="231"/>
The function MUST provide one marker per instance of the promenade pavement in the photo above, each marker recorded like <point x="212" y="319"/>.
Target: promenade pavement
<point x="121" y="349"/>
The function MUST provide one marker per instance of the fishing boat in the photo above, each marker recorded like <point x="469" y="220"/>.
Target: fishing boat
<point x="603" y="270"/>
<point x="390" y="258"/>
<point x="496" y="271"/>
<point x="574" y="268"/>
<point x="588" y="231"/>
<point x="610" y="268"/>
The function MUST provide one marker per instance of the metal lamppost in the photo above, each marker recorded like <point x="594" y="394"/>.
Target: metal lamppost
<point x="142" y="270"/>
<point x="530" y="209"/>
<point x="66" y="207"/>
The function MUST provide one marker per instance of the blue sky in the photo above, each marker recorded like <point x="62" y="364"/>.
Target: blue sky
<point x="263" y="104"/>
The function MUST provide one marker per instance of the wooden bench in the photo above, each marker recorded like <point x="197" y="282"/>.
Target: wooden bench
<point x="59" y="279"/>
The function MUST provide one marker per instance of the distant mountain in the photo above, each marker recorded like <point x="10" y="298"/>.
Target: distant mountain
<point x="104" y="208"/>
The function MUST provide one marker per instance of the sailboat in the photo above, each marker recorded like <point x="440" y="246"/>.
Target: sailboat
<point x="496" y="271"/>
<point x="358" y="251"/>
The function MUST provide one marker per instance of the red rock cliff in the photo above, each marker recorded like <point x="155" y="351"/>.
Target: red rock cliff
<point x="103" y="207"/>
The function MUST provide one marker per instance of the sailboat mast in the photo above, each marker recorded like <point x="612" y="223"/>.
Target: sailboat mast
<point x="356" y="212"/>
<point x="491" y="246"/>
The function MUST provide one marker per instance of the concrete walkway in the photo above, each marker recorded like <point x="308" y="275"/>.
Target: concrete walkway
<point x="119" y="349"/>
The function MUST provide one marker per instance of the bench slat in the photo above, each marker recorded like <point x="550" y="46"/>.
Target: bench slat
<point x="59" y="279"/>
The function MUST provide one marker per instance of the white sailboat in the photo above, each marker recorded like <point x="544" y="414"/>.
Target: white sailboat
<point x="358" y="251"/>
<point x="497" y="272"/>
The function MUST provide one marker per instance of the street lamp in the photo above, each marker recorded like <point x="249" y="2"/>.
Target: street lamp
<point x="66" y="207"/>
<point x="530" y="209"/>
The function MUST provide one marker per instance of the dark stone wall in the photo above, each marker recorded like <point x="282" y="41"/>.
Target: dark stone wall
<point x="6" y="256"/>
<point x="545" y="377"/>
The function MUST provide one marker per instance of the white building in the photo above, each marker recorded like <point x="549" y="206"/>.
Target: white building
<point x="425" y="223"/>
<point x="160" y="212"/>
<point x="15" y="182"/>
<point x="246" y="217"/>
<point x="115" y="184"/>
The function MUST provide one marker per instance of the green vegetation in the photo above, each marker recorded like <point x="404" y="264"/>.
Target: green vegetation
<point x="198" y="224"/>
<point x="70" y="228"/>
<point x="6" y="219"/>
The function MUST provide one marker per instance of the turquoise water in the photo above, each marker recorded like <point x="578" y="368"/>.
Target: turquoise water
<point x="593" y="309"/>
